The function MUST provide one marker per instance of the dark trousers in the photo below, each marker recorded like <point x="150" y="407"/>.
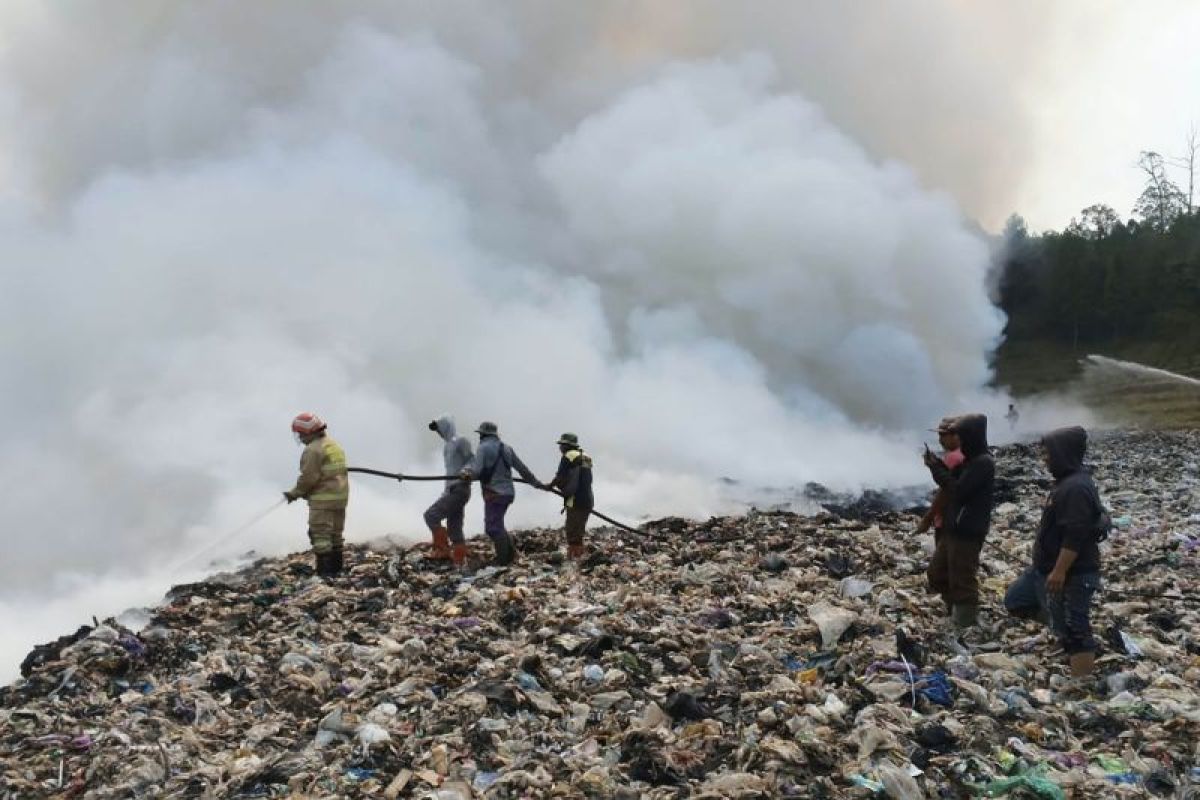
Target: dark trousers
<point x="1068" y="613"/>
<point x="451" y="506"/>
<point x="495" y="506"/>
<point x="954" y="569"/>
<point x="576" y="524"/>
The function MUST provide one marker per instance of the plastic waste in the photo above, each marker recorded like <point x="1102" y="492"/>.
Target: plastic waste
<point x="1132" y="648"/>
<point x="1127" y="778"/>
<point x="867" y="783"/>
<point x="370" y="734"/>
<point x="484" y="780"/>
<point x="832" y="621"/>
<point x="674" y="662"/>
<point x="1033" y="785"/>
<point x="530" y="684"/>
<point x="898" y="783"/>
<point x="854" y="587"/>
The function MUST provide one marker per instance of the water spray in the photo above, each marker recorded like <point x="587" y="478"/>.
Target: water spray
<point x="1141" y="369"/>
<point x="259" y="517"/>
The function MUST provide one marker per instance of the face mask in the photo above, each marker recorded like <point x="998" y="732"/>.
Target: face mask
<point x="299" y="441"/>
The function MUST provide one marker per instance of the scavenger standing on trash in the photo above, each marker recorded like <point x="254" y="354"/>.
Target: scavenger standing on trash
<point x="324" y="484"/>
<point x="492" y="466"/>
<point x="450" y="507"/>
<point x="953" y="570"/>
<point x="574" y="480"/>
<point x="1060" y="585"/>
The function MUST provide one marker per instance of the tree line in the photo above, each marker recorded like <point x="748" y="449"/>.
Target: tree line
<point x="1103" y="280"/>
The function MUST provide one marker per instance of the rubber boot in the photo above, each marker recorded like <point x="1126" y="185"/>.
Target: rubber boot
<point x="335" y="563"/>
<point x="459" y="555"/>
<point x="1082" y="665"/>
<point x="505" y="552"/>
<point x="441" y="545"/>
<point x="324" y="564"/>
<point x="965" y="616"/>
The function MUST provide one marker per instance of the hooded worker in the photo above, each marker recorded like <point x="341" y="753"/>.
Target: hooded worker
<point x="1058" y="588"/>
<point x="492" y="466"/>
<point x="574" y="481"/>
<point x="967" y="516"/>
<point x="450" y="507"/>
<point x="323" y="482"/>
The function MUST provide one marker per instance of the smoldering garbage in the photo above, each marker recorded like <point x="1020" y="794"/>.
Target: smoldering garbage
<point x="767" y="655"/>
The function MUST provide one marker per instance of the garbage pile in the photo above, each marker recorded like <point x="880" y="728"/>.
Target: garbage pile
<point x="767" y="655"/>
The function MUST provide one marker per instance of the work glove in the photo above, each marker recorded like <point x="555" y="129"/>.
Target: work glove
<point x="289" y="497"/>
<point x="464" y="476"/>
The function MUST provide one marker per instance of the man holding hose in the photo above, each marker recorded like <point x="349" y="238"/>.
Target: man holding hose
<point x="492" y="466"/>
<point x="324" y="484"/>
<point x="448" y="540"/>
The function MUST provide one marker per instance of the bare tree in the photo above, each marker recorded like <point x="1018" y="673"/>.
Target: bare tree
<point x="1187" y="162"/>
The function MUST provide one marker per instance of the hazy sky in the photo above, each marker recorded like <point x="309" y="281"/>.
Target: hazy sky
<point x="1011" y="105"/>
<point x="1115" y="78"/>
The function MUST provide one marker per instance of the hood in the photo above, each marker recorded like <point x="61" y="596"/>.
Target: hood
<point x="972" y="434"/>
<point x="445" y="427"/>
<point x="1065" y="449"/>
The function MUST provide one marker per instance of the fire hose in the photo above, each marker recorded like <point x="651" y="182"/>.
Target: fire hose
<point x="396" y="476"/>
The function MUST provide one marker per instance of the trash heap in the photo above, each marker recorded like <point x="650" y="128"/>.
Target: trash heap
<point x="767" y="655"/>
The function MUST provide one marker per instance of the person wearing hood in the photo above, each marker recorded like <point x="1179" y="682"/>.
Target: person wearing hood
<point x="966" y="518"/>
<point x="492" y="466"/>
<point x="1059" y="586"/>
<point x="449" y="544"/>
<point x="574" y="481"/>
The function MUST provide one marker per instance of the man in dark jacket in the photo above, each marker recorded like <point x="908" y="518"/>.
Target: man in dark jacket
<point x="574" y="481"/>
<point x="1065" y="575"/>
<point x="968" y="490"/>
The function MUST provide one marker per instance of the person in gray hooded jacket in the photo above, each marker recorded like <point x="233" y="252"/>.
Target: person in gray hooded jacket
<point x="450" y="508"/>
<point x="1060" y="585"/>
<point x="492" y="466"/>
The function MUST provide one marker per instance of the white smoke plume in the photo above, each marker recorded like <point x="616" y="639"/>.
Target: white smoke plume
<point x="218" y="214"/>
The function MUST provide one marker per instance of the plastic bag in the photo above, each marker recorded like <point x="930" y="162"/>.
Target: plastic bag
<point x="1039" y="786"/>
<point x="831" y="621"/>
<point x="898" y="783"/>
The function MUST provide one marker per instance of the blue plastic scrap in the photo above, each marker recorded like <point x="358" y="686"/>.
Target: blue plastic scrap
<point x="935" y="687"/>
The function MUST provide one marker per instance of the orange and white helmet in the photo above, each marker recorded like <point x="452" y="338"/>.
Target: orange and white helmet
<point x="307" y="423"/>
